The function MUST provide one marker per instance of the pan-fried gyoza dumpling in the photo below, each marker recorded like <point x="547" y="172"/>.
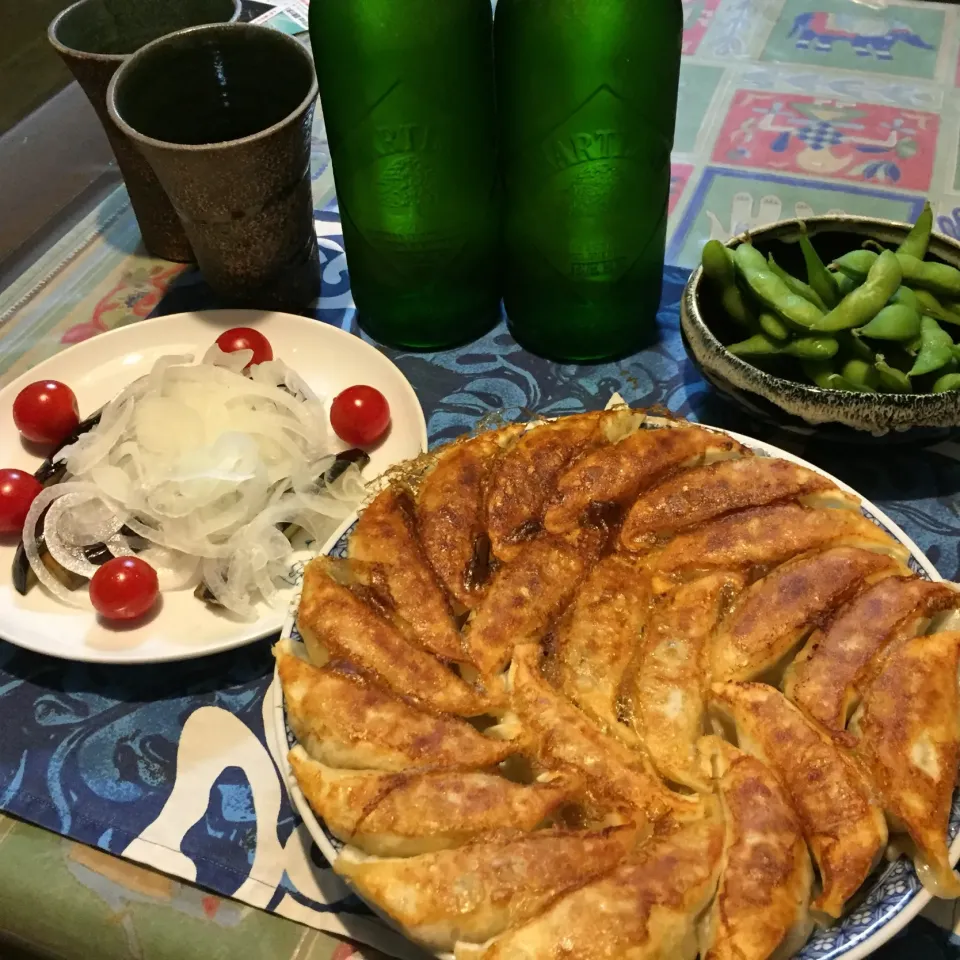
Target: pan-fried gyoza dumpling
<point x="386" y="535"/>
<point x="332" y="620"/>
<point x="523" y="478"/>
<point x="450" y="512"/>
<point x="908" y="730"/>
<point x="841" y="820"/>
<point x="561" y="734"/>
<point x="344" y="720"/>
<point x="616" y="473"/>
<point x="695" y="496"/>
<point x="665" y="693"/>
<point x="774" y="614"/>
<point x="646" y="909"/>
<point x="825" y="677"/>
<point x="597" y="637"/>
<point x="761" y="908"/>
<point x="764" y="536"/>
<point x="476" y="891"/>
<point x="524" y="597"/>
<point x="405" y="814"/>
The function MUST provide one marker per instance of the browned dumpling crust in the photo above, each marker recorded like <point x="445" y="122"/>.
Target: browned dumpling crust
<point x="761" y="906"/>
<point x="694" y="496"/>
<point x="908" y="736"/>
<point x="615" y="474"/>
<point x="451" y="513"/>
<point x="776" y="613"/>
<point x="826" y="675"/>
<point x="386" y="535"/>
<point x="841" y="819"/>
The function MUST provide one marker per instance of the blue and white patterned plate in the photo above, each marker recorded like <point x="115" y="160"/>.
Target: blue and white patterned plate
<point x="891" y="901"/>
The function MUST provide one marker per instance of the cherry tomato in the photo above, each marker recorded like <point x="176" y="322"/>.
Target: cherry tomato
<point x="360" y="415"/>
<point x="246" y="338"/>
<point x="46" y="411"/>
<point x="124" y="588"/>
<point x="17" y="491"/>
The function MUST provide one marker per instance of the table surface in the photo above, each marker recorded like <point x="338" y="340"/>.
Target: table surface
<point x="785" y="106"/>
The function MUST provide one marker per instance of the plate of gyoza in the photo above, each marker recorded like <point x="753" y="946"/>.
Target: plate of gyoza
<point x="617" y="686"/>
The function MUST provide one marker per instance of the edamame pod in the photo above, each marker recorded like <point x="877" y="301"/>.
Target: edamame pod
<point x="804" y="348"/>
<point x="940" y="279"/>
<point x="846" y="284"/>
<point x="718" y="267"/>
<point x="860" y="374"/>
<point x="936" y="348"/>
<point x="770" y="289"/>
<point x="916" y="241"/>
<point x="867" y="300"/>
<point x="822" y="374"/>
<point x="796" y="285"/>
<point x="907" y="297"/>
<point x="759" y="345"/>
<point x="949" y="381"/>
<point x="930" y="306"/>
<point x="856" y="264"/>
<point x="894" y="322"/>
<point x="818" y="277"/>
<point x="773" y="326"/>
<point x="891" y="379"/>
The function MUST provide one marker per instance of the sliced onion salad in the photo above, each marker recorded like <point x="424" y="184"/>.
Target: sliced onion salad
<point x="205" y="463"/>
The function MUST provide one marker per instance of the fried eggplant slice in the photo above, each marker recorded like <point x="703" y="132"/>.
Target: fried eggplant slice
<point x="333" y="621"/>
<point x="344" y="720"/>
<point x="665" y="693"/>
<point x="524" y="598"/>
<point x="700" y="494"/>
<point x="646" y="909"/>
<point x="596" y="639"/>
<point x="777" y="612"/>
<point x="407" y="814"/>
<point x="761" y="909"/>
<point x="614" y="475"/>
<point x="841" y="820"/>
<point x="475" y="892"/>
<point x="386" y="535"/>
<point x="523" y="478"/>
<point x="559" y="733"/>
<point x="825" y="678"/>
<point x="450" y="512"/>
<point x="908" y="737"/>
<point x="763" y="537"/>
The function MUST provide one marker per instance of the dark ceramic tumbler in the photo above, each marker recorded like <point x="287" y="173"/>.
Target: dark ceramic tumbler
<point x="224" y="114"/>
<point x="94" y="37"/>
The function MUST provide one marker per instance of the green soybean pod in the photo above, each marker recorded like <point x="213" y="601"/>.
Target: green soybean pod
<point x="936" y="348"/>
<point x="822" y="374"/>
<point x="811" y="348"/>
<point x="759" y="345"/>
<point x="940" y="279"/>
<point x="907" y="297"/>
<point x="818" y="276"/>
<point x="718" y="267"/>
<point x="847" y="284"/>
<point x="852" y="346"/>
<point x="861" y="374"/>
<point x="770" y="290"/>
<point x="894" y="322"/>
<point x="856" y="264"/>
<point x="949" y="381"/>
<point x="891" y="379"/>
<point x="773" y="326"/>
<point x="796" y="284"/>
<point x="930" y="306"/>
<point x="918" y="239"/>
<point x="857" y="308"/>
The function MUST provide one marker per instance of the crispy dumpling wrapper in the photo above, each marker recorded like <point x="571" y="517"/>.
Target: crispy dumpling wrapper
<point x="406" y="814"/>
<point x="700" y="494"/>
<point x="476" y="891"/>
<point x="333" y="621"/>
<point x="386" y="535"/>
<point x="841" y="819"/>
<point x="761" y="910"/>
<point x="908" y="737"/>
<point x="615" y="474"/>
<point x="345" y="720"/>
<point x="666" y="692"/>
<point x="825" y="677"/>
<point x="774" y="614"/>
<point x="646" y="909"/>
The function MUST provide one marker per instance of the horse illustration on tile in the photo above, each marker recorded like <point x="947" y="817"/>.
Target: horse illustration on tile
<point x="868" y="36"/>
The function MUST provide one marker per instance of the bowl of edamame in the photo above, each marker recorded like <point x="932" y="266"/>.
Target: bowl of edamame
<point x="835" y="320"/>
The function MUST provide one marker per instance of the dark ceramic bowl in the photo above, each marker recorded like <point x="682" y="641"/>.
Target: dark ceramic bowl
<point x="836" y="414"/>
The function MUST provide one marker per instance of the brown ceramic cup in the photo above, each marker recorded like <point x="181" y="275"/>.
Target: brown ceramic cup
<point x="93" y="37"/>
<point x="223" y="114"/>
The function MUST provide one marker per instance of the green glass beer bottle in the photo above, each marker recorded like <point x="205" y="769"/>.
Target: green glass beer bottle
<point x="407" y="93"/>
<point x="587" y="99"/>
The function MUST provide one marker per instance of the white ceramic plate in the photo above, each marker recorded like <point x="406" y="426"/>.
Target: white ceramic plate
<point x="182" y="627"/>
<point x="889" y="903"/>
